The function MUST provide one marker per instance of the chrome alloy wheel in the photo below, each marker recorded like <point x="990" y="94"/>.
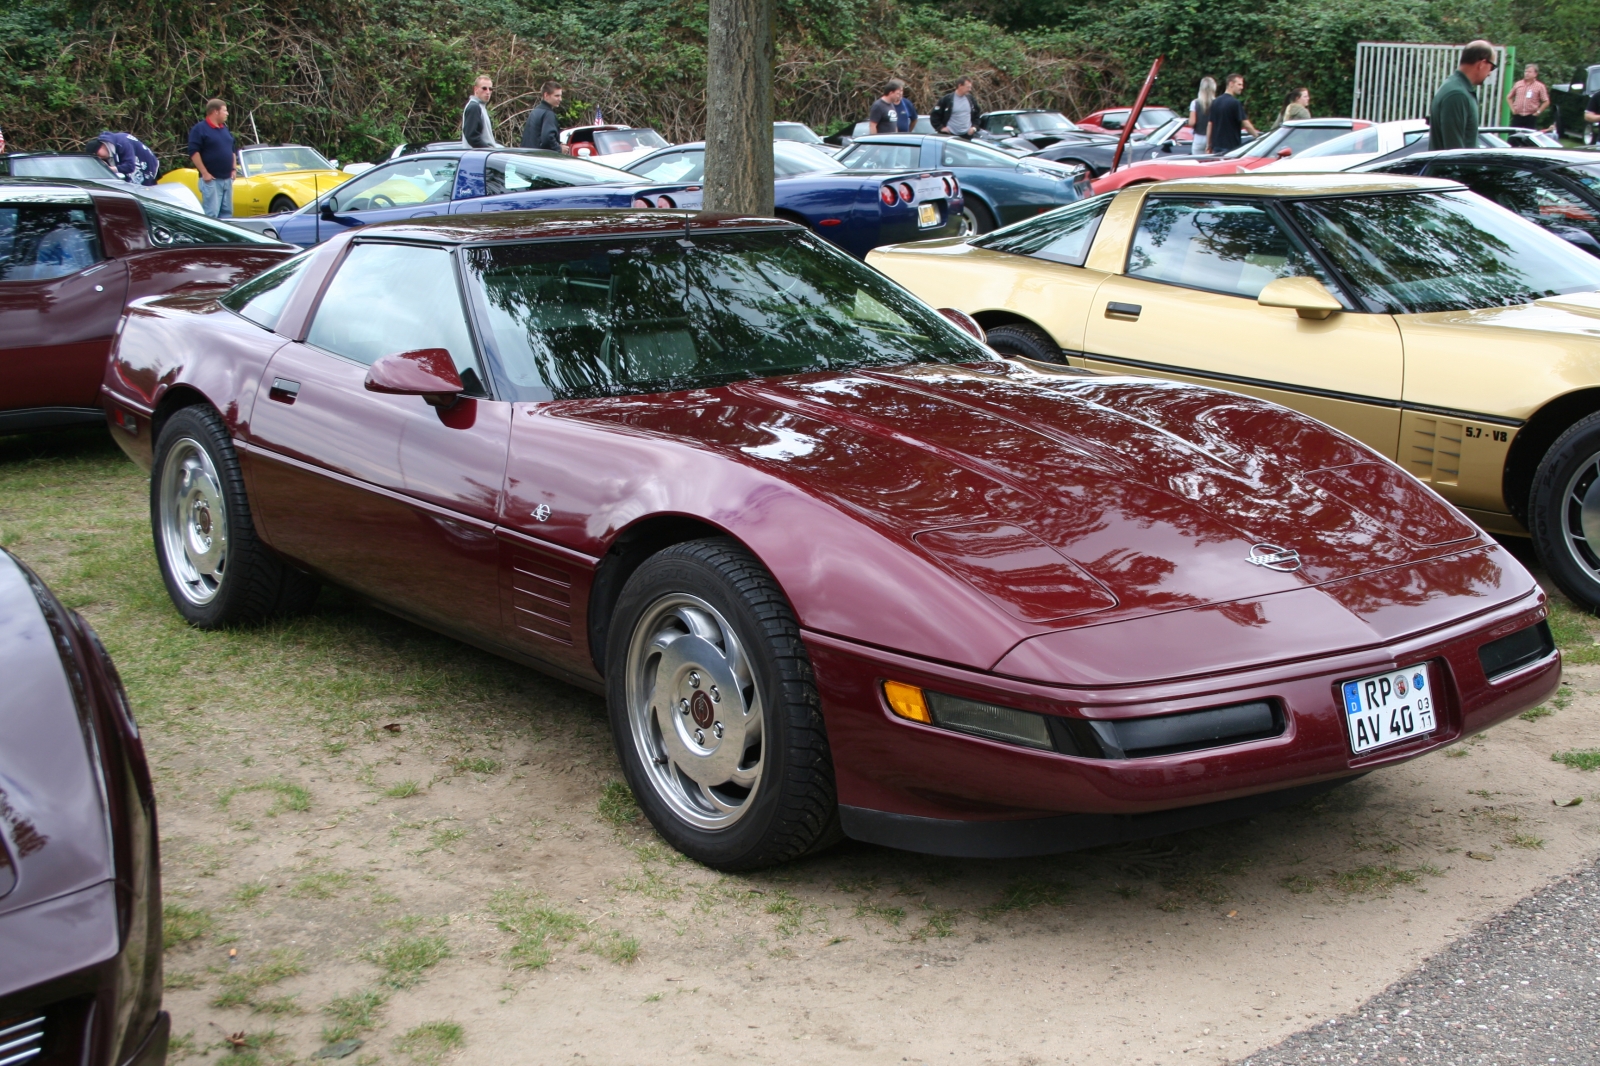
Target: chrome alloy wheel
<point x="194" y="521"/>
<point x="695" y="711"/>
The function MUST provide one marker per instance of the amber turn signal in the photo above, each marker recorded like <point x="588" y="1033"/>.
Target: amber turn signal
<point x="907" y="701"/>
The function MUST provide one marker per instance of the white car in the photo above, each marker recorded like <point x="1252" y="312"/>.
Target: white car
<point x="614" y="146"/>
<point x="1385" y="140"/>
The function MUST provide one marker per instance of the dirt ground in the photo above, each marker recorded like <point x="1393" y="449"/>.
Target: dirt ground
<point x="374" y="834"/>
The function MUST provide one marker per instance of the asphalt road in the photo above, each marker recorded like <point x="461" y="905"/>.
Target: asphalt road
<point x="1523" y="988"/>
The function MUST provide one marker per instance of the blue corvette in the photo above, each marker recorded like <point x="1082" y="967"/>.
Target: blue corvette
<point x="460" y="181"/>
<point x="855" y="209"/>
<point x="1000" y="189"/>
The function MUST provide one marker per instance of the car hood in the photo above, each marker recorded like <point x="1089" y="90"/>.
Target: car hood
<point x="1073" y="499"/>
<point x="53" y="828"/>
<point x="308" y="182"/>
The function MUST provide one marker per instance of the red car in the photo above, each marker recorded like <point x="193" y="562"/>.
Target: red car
<point x="1287" y="139"/>
<point x="1112" y="120"/>
<point x="837" y="566"/>
<point x="71" y="257"/>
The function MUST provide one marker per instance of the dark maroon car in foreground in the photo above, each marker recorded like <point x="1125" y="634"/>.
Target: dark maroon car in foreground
<point x="838" y="567"/>
<point x="80" y="894"/>
<point x="71" y="257"/>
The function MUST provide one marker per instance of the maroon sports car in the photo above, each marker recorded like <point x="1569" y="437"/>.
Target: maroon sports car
<point x="836" y="565"/>
<point x="71" y="257"/>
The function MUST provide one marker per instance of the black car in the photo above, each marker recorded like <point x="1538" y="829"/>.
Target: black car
<point x="1097" y="154"/>
<point x="1555" y="188"/>
<point x="1031" y="130"/>
<point x="1571" y="100"/>
<point x="80" y="892"/>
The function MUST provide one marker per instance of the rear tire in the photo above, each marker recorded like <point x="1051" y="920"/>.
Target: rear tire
<point x="1030" y="342"/>
<point x="714" y="711"/>
<point x="975" y="218"/>
<point x="1564" y="512"/>
<point x="217" y="572"/>
<point x="281" y="205"/>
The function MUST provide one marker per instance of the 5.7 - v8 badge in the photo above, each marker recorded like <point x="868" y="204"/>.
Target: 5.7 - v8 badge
<point x="1389" y="708"/>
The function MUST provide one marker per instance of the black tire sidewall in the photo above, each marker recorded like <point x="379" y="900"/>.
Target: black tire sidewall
<point x="274" y="209"/>
<point x="1025" y="341"/>
<point x="982" y="217"/>
<point x="746" y="843"/>
<point x="204" y="426"/>
<point x="1547" y="505"/>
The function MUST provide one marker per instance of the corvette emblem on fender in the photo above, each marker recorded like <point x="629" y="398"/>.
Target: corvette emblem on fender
<point x="1274" y="558"/>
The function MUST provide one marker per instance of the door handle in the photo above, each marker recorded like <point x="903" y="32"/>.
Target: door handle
<point x="283" y="390"/>
<point x="1121" y="310"/>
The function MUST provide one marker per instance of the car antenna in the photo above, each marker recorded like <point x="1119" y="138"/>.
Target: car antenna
<point x="253" y="129"/>
<point x="316" y="198"/>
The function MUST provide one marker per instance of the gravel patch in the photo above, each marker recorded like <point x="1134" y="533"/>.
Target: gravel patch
<point x="1522" y="988"/>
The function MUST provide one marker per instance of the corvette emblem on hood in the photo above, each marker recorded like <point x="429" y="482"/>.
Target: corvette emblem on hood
<point x="1274" y="558"/>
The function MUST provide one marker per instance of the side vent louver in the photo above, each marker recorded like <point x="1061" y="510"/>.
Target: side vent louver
<point x="21" y="1039"/>
<point x="542" y="598"/>
<point x="1436" y="451"/>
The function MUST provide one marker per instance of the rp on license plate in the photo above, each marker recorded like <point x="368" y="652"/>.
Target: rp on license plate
<point x="927" y="215"/>
<point x="1388" y="708"/>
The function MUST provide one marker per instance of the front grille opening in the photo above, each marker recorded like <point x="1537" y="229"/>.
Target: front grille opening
<point x="21" y="1038"/>
<point x="1169" y="734"/>
<point x="1522" y="648"/>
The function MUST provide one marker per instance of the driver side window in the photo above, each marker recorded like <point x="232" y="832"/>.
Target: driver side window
<point x="1114" y="121"/>
<point x="40" y="241"/>
<point x="1217" y="246"/>
<point x="402" y="184"/>
<point x="674" y="166"/>
<point x="389" y="298"/>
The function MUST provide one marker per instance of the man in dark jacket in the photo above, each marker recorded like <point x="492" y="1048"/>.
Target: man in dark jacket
<point x="127" y="155"/>
<point x="957" y="113"/>
<point x="1453" y="115"/>
<point x="543" y="129"/>
<point x="477" y="129"/>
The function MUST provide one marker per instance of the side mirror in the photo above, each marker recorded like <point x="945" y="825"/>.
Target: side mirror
<point x="1285" y="153"/>
<point x="329" y="206"/>
<point x="1305" y="295"/>
<point x="335" y="163"/>
<point x="426" y="372"/>
<point x="1166" y="146"/>
<point x="966" y="322"/>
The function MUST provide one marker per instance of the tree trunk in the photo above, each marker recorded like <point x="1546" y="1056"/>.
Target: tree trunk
<point x="739" y="107"/>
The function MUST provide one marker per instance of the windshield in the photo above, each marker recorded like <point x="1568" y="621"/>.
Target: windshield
<point x="789" y="159"/>
<point x="1040" y="121"/>
<point x="1169" y="129"/>
<point x="609" y="142"/>
<point x="513" y="172"/>
<point x="258" y="161"/>
<point x="1451" y="251"/>
<point x="795" y="131"/>
<point x="86" y="167"/>
<point x="628" y="315"/>
<point x="1356" y="142"/>
<point x="1295" y="138"/>
<point x="1587" y="175"/>
<point x="1151" y="117"/>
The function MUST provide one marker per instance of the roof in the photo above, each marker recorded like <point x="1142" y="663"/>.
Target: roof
<point x="1552" y="157"/>
<point x="1298" y="185"/>
<point x="557" y="225"/>
<point x="75" y="190"/>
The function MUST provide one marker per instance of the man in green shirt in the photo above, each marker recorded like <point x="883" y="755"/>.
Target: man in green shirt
<point x="1453" y="116"/>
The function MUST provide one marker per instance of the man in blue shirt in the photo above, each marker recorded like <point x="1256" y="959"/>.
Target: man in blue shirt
<point x="127" y="155"/>
<point x="211" y="151"/>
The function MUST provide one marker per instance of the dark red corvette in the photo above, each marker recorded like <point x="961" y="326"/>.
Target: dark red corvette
<point x="71" y="258"/>
<point x="838" y="567"/>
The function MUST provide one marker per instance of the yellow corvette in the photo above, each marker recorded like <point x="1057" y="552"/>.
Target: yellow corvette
<point x="1434" y="326"/>
<point x="270" y="181"/>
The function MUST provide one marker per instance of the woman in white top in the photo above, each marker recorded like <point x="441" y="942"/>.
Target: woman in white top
<point x="1200" y="115"/>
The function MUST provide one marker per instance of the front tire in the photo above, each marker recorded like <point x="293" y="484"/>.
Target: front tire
<point x="714" y="711"/>
<point x="282" y="204"/>
<point x="1564" y="512"/>
<point x="216" y="570"/>
<point x="1030" y="342"/>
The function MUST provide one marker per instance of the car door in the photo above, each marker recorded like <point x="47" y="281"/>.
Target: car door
<point x="60" y="302"/>
<point x="385" y="494"/>
<point x="1541" y="197"/>
<point x="407" y="188"/>
<point x="1185" y="307"/>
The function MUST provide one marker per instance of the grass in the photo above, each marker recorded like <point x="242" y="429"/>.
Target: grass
<point x="1587" y="759"/>
<point x="616" y="947"/>
<point x="536" y="928"/>
<point x="1574" y="633"/>
<point x="881" y="911"/>
<point x="1523" y="840"/>
<point x="405" y="959"/>
<point x="431" y="1041"/>
<point x="477" y="765"/>
<point x="403" y="790"/>
<point x="181" y="925"/>
<point x="1026" y="893"/>
<point x="617" y="805"/>
<point x="325" y="885"/>
<point x="287" y="796"/>
<point x="350" y="1016"/>
<point x="240" y="986"/>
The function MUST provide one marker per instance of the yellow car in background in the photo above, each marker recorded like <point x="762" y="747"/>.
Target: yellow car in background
<point x="272" y="180"/>
<point x="1438" y="328"/>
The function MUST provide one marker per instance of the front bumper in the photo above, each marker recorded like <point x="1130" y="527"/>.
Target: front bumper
<point x="923" y="788"/>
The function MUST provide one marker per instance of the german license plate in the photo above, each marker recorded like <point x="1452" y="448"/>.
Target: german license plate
<point x="1388" y="708"/>
<point x="927" y="215"/>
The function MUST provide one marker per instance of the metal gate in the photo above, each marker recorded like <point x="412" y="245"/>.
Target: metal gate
<point x="1397" y="81"/>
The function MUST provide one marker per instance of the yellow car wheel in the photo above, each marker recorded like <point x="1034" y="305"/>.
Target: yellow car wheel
<point x="282" y="204"/>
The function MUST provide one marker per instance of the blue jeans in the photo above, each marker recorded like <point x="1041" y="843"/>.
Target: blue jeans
<point x="216" y="197"/>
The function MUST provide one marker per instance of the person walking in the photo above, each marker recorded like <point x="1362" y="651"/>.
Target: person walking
<point x="884" y="114"/>
<point x="1228" y="118"/>
<point x="1453" y="115"/>
<point x="1200" y="114"/>
<point x="543" y="128"/>
<point x="127" y="156"/>
<point x="957" y="112"/>
<point x="1528" y="99"/>
<point x="1296" y="106"/>
<point x="211" y="152"/>
<point x="477" y="128"/>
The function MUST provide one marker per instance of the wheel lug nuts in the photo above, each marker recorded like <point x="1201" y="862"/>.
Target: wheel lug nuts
<point x="716" y="730"/>
<point x="683" y="706"/>
<point x="699" y="736"/>
<point x="694" y="679"/>
<point x="716" y="697"/>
